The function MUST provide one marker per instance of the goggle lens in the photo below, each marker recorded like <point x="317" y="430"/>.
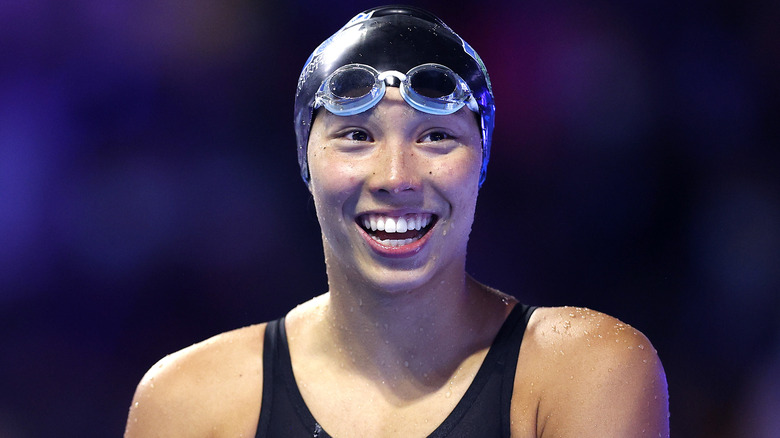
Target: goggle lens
<point x="352" y="83"/>
<point x="432" y="83"/>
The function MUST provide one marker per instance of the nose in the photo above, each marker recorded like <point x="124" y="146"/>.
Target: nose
<point x="396" y="170"/>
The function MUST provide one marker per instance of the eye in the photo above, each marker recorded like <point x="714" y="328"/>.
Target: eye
<point x="357" y="135"/>
<point x="435" y="136"/>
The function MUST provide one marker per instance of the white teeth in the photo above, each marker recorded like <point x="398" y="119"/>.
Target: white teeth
<point x="409" y="222"/>
<point x="395" y="242"/>
<point x="390" y="225"/>
<point x="401" y="224"/>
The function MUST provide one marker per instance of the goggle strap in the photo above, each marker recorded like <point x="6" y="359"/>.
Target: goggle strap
<point x="472" y="104"/>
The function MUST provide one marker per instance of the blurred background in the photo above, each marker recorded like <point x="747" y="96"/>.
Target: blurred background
<point x="150" y="197"/>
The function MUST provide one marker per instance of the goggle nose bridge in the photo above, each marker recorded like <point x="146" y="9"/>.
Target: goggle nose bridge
<point x="386" y="77"/>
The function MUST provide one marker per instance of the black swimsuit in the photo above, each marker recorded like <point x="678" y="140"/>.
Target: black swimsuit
<point x="482" y="412"/>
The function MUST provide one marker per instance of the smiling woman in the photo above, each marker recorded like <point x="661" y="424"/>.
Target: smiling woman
<point x="394" y="116"/>
<point x="391" y="163"/>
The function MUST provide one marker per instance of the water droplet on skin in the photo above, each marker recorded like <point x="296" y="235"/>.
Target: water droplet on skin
<point x="448" y="394"/>
<point x="640" y="346"/>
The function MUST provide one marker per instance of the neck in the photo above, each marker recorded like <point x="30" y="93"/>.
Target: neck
<point x="402" y="317"/>
<point x="400" y="312"/>
<point x="421" y="333"/>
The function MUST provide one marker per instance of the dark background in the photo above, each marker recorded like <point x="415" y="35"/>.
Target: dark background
<point x="150" y="197"/>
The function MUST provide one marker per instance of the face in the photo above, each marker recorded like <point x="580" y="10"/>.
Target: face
<point x="395" y="191"/>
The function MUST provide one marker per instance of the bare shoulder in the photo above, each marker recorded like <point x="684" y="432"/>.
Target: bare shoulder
<point x="594" y="376"/>
<point x="212" y="388"/>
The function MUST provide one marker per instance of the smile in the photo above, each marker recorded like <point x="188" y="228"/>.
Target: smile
<point x="396" y="231"/>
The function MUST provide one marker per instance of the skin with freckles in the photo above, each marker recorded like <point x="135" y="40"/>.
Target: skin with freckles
<point x="393" y="345"/>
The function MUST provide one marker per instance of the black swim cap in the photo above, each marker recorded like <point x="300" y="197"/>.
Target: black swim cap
<point x="393" y="38"/>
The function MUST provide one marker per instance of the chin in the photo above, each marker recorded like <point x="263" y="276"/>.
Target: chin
<point x="401" y="280"/>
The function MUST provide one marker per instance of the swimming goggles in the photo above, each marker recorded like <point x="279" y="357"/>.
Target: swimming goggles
<point x="430" y="88"/>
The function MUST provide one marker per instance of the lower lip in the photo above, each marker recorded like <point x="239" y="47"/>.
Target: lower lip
<point x="402" y="251"/>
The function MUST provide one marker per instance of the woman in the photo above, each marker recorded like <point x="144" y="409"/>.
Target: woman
<point x="394" y="116"/>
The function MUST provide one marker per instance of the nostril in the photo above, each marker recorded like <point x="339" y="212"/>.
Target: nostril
<point x="395" y="188"/>
<point x="403" y="189"/>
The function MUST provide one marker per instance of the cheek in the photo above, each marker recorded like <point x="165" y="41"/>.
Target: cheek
<point x="458" y="181"/>
<point x="459" y="173"/>
<point x="333" y="183"/>
<point x="335" y="179"/>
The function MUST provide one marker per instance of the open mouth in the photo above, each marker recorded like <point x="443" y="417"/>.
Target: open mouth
<point x="395" y="231"/>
